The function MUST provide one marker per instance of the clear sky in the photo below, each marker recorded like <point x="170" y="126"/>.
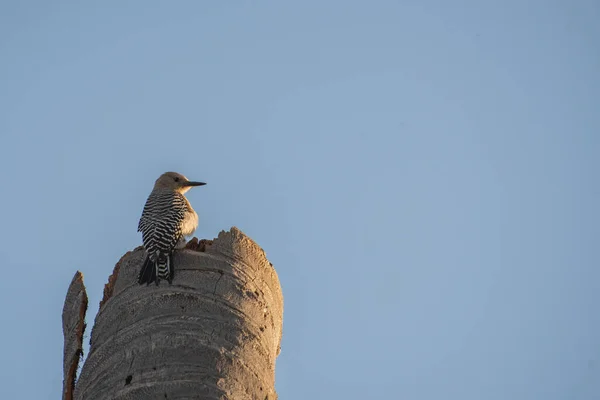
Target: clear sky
<point x="422" y="174"/>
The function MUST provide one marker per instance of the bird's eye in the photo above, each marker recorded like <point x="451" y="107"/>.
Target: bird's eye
<point x="176" y="179"/>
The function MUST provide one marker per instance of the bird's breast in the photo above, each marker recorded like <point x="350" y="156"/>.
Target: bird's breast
<point x="190" y="223"/>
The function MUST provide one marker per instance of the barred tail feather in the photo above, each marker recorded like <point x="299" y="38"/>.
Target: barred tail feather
<point x="154" y="271"/>
<point x="164" y="267"/>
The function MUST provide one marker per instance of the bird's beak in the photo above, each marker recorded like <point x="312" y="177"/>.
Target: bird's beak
<point x="191" y="183"/>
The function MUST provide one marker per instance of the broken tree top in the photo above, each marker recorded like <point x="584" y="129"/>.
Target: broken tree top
<point x="215" y="331"/>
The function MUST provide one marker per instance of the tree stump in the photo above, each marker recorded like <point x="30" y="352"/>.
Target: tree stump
<point x="213" y="334"/>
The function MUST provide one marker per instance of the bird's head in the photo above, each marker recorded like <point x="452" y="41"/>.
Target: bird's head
<point x="175" y="181"/>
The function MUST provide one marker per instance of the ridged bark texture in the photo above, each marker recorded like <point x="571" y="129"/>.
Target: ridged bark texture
<point x="213" y="334"/>
<point x="73" y="319"/>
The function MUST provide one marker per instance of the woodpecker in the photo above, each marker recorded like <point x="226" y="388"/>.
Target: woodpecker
<point x="167" y="218"/>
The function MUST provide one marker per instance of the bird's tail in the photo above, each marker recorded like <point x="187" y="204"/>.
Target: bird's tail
<point x="155" y="270"/>
<point x="164" y="268"/>
<point x="148" y="272"/>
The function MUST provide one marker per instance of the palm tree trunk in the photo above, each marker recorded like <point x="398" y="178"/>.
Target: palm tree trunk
<point x="213" y="334"/>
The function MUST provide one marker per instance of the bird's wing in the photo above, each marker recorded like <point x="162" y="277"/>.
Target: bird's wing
<point x="161" y="220"/>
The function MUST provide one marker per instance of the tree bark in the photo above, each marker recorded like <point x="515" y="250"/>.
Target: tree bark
<point x="73" y="319"/>
<point x="213" y="334"/>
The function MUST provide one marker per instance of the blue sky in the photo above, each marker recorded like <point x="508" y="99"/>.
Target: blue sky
<point x="422" y="174"/>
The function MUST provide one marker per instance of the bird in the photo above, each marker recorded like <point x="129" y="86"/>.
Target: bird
<point x="166" y="219"/>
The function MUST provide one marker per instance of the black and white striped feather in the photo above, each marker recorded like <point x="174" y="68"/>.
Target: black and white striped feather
<point x="161" y="228"/>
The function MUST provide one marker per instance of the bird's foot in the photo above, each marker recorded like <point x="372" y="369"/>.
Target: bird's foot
<point x="181" y="244"/>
